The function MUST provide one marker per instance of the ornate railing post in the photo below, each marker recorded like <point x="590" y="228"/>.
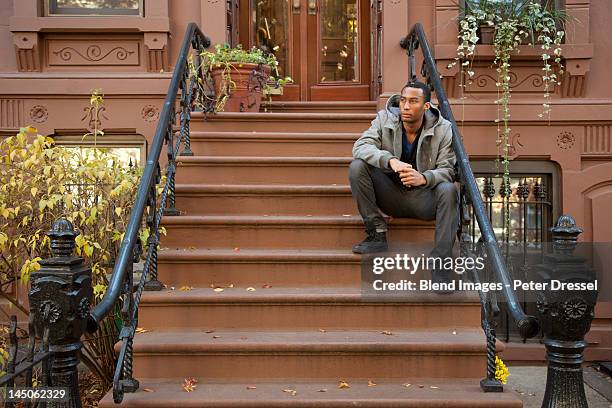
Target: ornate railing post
<point x="566" y="317"/>
<point x="59" y="303"/>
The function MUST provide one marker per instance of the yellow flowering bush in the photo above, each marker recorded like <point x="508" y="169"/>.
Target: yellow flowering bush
<point x="501" y="371"/>
<point x="41" y="182"/>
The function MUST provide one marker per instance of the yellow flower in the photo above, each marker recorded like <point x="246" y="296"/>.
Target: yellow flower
<point x="501" y="371"/>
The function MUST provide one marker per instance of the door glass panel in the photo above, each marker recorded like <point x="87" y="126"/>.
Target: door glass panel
<point x="339" y="46"/>
<point x="271" y="31"/>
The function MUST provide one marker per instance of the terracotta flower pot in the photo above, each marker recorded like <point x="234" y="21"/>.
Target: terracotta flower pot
<point x="246" y="90"/>
<point x="487" y="34"/>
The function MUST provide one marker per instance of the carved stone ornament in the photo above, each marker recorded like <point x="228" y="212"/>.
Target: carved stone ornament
<point x="39" y="113"/>
<point x="566" y="140"/>
<point x="94" y="53"/>
<point x="150" y="113"/>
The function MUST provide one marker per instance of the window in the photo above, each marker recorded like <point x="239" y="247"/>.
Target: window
<point x="94" y="7"/>
<point x="533" y="207"/>
<point x="127" y="149"/>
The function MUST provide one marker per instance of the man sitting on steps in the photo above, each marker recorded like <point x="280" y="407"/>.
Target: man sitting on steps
<point x="404" y="166"/>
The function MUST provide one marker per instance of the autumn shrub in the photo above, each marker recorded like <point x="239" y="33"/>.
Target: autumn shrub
<point x="41" y="182"/>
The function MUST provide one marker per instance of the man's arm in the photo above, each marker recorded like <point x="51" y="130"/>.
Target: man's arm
<point x="445" y="161"/>
<point x="369" y="146"/>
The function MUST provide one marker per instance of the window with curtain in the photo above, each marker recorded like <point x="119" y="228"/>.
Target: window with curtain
<point x="95" y="7"/>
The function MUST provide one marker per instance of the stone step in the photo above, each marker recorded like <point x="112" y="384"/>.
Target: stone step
<point x="262" y="170"/>
<point x="230" y="354"/>
<point x="281" y="308"/>
<point x="322" y="106"/>
<point x="303" y="232"/>
<point x="282" y="199"/>
<point x="257" y="267"/>
<point x="313" y="393"/>
<point x="283" y="144"/>
<point x="282" y="122"/>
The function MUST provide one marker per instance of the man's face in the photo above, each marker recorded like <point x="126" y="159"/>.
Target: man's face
<point x="412" y="105"/>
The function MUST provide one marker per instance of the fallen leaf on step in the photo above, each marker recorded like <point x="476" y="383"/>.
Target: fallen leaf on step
<point x="433" y="387"/>
<point x="190" y="384"/>
<point x="322" y="330"/>
<point x="236" y="249"/>
<point x="407" y="385"/>
<point x="251" y="289"/>
<point x="186" y="288"/>
<point x="421" y="386"/>
<point x="371" y="383"/>
<point x="209" y="331"/>
<point x="171" y="287"/>
<point x="322" y="390"/>
<point x="148" y="390"/>
<point x="251" y="387"/>
<point x="141" y="330"/>
<point x="346" y="215"/>
<point x="386" y="333"/>
<point x="290" y="391"/>
<point x="218" y="290"/>
<point x="343" y="384"/>
<point x="266" y="286"/>
<point x="454" y="332"/>
<point x="192" y="248"/>
<point x="216" y="337"/>
<point x="231" y="285"/>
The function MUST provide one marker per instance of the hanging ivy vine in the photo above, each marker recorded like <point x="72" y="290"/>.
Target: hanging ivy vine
<point x="514" y="22"/>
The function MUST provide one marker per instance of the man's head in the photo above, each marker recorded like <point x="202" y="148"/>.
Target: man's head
<point x="414" y="101"/>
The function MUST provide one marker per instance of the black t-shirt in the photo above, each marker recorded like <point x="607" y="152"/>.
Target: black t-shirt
<point x="409" y="150"/>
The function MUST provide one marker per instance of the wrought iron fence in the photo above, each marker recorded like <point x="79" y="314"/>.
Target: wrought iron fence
<point x="526" y="202"/>
<point x="27" y="366"/>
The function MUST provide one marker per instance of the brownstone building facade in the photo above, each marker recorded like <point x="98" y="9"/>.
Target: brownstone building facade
<point x="54" y="52"/>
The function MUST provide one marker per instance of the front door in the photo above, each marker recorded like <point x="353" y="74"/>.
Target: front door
<point x="323" y="45"/>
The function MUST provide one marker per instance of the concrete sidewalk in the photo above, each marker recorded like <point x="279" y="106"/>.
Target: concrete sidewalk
<point x="530" y="382"/>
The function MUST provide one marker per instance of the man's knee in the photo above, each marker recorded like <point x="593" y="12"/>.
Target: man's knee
<point x="357" y="169"/>
<point x="447" y="192"/>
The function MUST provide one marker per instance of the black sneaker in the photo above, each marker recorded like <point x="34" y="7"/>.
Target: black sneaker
<point x="374" y="242"/>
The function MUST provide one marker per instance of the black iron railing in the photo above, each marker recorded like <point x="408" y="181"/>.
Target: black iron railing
<point x="472" y="203"/>
<point x="555" y="308"/>
<point x="20" y="366"/>
<point x="153" y="207"/>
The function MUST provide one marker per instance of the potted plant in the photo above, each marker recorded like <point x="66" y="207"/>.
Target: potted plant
<point x="511" y="23"/>
<point x="240" y="77"/>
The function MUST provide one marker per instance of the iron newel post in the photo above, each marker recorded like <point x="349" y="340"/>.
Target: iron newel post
<point x="565" y="316"/>
<point x="60" y="300"/>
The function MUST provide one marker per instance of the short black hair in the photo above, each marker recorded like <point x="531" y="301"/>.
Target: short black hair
<point x="419" y="85"/>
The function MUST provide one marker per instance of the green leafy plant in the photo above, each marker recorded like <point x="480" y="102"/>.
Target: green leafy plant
<point x="514" y="22"/>
<point x="265" y="77"/>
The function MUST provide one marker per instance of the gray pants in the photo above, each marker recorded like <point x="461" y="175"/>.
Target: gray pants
<point x="376" y="193"/>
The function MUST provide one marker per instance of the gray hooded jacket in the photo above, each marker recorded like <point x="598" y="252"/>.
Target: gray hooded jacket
<point x="383" y="141"/>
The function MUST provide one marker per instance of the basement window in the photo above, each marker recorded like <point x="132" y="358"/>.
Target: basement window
<point x="128" y="149"/>
<point x="94" y="7"/>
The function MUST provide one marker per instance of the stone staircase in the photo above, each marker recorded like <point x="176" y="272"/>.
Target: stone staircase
<point x="263" y="304"/>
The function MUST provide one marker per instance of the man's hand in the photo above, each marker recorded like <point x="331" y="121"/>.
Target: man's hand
<point x="398" y="166"/>
<point x="411" y="177"/>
